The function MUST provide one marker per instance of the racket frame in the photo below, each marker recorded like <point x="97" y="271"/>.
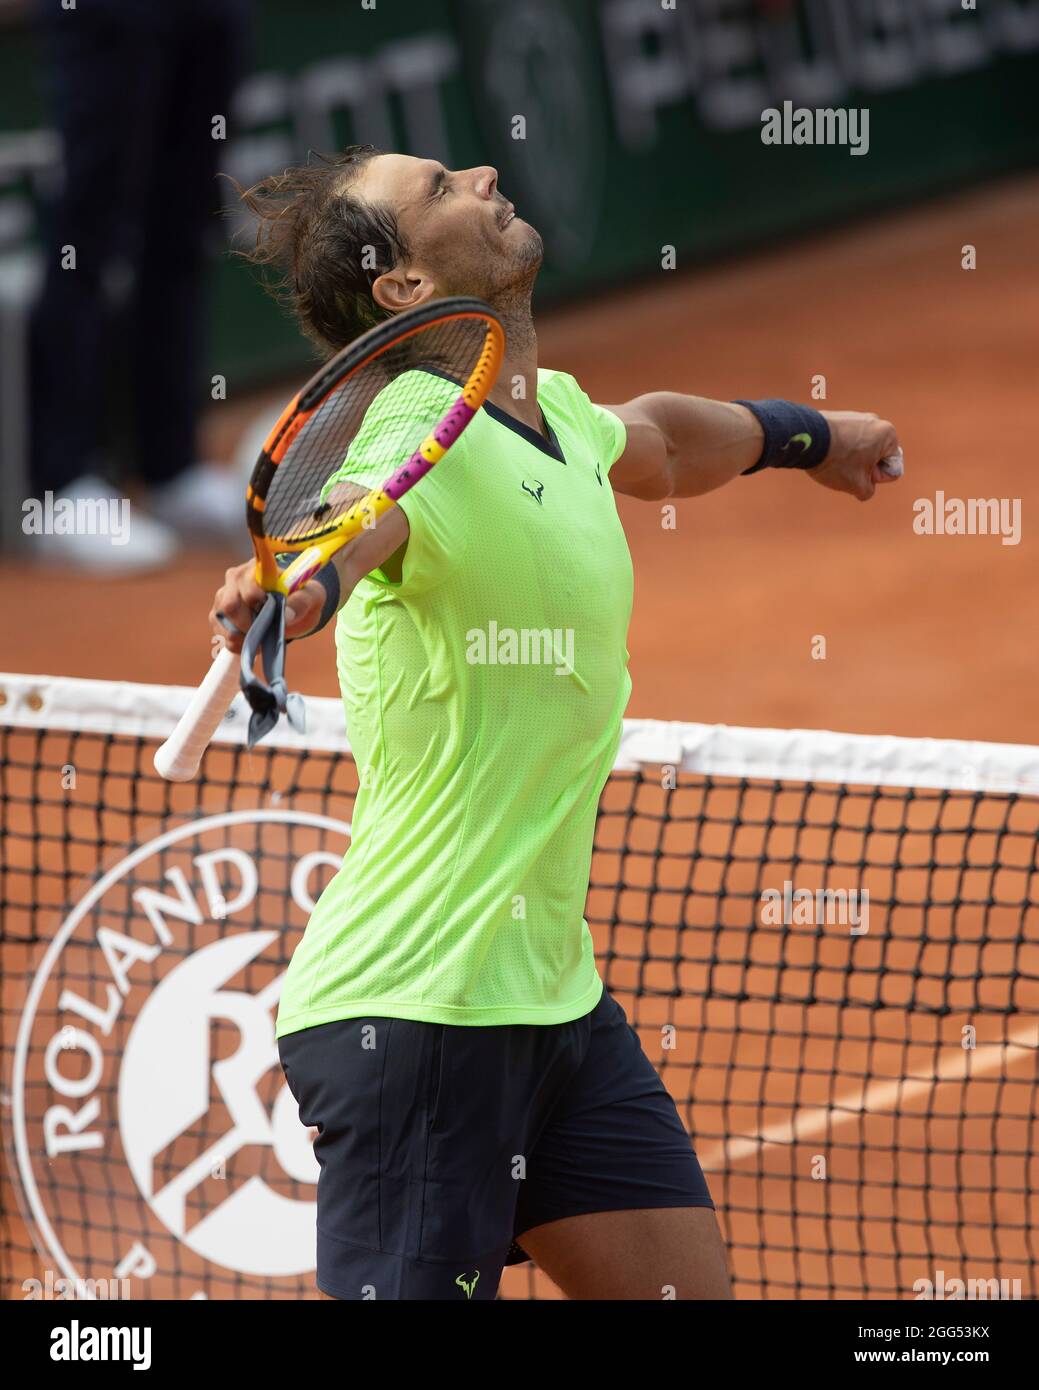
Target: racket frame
<point x="315" y="550"/>
<point x="180" y="756"/>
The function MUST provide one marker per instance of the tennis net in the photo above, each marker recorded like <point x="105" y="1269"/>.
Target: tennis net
<point x="829" y="945"/>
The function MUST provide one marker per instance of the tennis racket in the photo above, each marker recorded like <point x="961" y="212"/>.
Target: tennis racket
<point x="376" y="393"/>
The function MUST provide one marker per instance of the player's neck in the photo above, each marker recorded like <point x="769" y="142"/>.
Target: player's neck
<point x="516" y="390"/>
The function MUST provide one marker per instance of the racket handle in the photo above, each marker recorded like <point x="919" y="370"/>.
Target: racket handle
<point x="178" y="758"/>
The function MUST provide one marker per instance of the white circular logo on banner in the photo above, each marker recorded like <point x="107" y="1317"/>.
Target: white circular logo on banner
<point x="155" y="1135"/>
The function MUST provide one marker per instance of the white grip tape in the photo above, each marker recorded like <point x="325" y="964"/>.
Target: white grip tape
<point x="178" y="758"/>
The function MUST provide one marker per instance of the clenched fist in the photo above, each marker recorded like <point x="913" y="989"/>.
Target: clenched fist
<point x="239" y="600"/>
<point x="864" y="451"/>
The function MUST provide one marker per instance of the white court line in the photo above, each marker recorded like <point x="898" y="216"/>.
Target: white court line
<point x="879" y="1097"/>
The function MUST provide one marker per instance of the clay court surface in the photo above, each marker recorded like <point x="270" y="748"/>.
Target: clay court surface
<point x="924" y="634"/>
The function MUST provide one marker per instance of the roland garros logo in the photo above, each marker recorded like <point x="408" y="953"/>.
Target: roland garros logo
<point x="154" y="1132"/>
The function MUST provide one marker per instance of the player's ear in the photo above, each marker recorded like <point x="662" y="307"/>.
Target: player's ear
<point x="400" y="289"/>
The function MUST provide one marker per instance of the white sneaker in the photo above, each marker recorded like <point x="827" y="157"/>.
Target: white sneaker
<point x="90" y="526"/>
<point x="203" y="501"/>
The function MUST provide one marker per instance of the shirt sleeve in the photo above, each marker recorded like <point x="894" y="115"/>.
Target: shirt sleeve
<point x="610" y="432"/>
<point x="604" y="432"/>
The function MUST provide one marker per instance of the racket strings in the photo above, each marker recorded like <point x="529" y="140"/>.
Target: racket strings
<point x="372" y="420"/>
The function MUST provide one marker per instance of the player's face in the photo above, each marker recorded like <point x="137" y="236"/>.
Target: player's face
<point x="463" y="233"/>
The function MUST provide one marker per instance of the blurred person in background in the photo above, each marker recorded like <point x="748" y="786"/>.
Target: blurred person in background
<point x="134" y="86"/>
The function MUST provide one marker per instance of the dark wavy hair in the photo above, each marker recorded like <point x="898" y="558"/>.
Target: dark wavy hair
<point x="315" y="235"/>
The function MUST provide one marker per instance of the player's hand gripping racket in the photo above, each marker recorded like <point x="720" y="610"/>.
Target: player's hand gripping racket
<point x="294" y="509"/>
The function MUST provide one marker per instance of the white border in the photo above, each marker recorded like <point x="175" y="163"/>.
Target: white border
<point x="151" y="711"/>
<point x="820" y="755"/>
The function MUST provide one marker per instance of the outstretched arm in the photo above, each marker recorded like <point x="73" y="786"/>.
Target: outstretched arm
<point x="682" y="446"/>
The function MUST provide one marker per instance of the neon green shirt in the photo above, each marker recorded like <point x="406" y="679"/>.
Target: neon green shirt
<point x="484" y="694"/>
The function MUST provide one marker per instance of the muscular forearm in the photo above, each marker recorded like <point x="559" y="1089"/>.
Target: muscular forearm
<point x="682" y="446"/>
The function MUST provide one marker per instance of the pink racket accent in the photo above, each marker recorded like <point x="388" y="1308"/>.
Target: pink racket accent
<point x="445" y="434"/>
<point x="178" y="759"/>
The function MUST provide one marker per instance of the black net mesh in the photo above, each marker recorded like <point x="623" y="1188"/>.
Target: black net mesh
<point x="863" y="1101"/>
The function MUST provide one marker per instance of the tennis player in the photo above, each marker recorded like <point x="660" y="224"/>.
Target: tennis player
<point x="479" y="1098"/>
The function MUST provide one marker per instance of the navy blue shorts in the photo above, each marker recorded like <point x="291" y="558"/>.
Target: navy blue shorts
<point x="440" y="1145"/>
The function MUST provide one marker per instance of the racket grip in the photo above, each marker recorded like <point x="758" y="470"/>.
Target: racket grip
<point x="178" y="758"/>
